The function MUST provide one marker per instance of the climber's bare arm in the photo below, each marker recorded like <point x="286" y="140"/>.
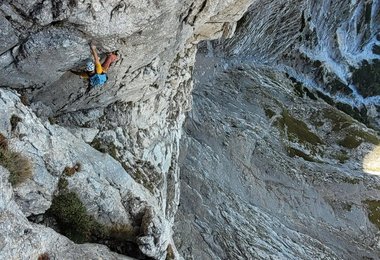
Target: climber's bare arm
<point x="94" y="54"/>
<point x="98" y="66"/>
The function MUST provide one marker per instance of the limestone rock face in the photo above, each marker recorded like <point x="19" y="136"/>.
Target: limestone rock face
<point x="9" y="38"/>
<point x="102" y="184"/>
<point x="266" y="173"/>
<point x="125" y="136"/>
<point x="43" y="41"/>
<point x="22" y="239"/>
<point x="271" y="168"/>
<point x="331" y="47"/>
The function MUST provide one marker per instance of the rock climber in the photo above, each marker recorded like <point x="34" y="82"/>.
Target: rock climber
<point x="96" y="72"/>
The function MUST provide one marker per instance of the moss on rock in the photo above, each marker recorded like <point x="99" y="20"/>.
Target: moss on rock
<point x="355" y="137"/>
<point x="339" y="120"/>
<point x="373" y="211"/>
<point x="297" y="130"/>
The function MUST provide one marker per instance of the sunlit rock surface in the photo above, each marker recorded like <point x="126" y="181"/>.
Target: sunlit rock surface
<point x="371" y="162"/>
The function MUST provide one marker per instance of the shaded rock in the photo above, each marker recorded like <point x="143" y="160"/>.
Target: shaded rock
<point x="7" y="35"/>
<point x="256" y="185"/>
<point x="53" y="52"/>
<point x="87" y="134"/>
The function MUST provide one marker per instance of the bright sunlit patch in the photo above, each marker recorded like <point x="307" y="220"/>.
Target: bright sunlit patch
<point x="371" y="162"/>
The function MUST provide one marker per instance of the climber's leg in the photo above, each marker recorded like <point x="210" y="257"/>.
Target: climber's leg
<point x="111" y="58"/>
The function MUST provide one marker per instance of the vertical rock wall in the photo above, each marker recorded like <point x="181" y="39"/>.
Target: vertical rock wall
<point x="331" y="47"/>
<point x="270" y="165"/>
<point x="126" y="134"/>
<point x="269" y="170"/>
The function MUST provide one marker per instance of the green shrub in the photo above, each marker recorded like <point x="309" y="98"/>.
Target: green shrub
<point x="350" y="180"/>
<point x="62" y="184"/>
<point x="73" y="221"/>
<point x="292" y="152"/>
<point x="71" y="215"/>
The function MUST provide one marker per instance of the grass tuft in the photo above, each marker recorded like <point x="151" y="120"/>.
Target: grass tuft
<point x="292" y="152"/>
<point x="121" y="232"/>
<point x="3" y="142"/>
<point x="170" y="253"/>
<point x="24" y="99"/>
<point x="19" y="166"/>
<point x="269" y="113"/>
<point x="73" y="221"/>
<point x="70" y="171"/>
<point x="43" y="256"/>
<point x="14" y="122"/>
